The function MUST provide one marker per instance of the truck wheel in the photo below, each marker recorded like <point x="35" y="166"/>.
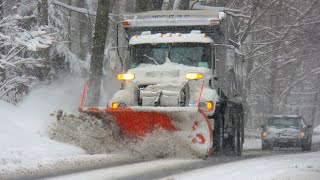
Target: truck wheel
<point x="267" y="146"/>
<point x="304" y="146"/>
<point x="307" y="146"/>
<point x="235" y="140"/>
<point x="218" y="134"/>
<point x="238" y="123"/>
<point x="264" y="147"/>
<point x="239" y="143"/>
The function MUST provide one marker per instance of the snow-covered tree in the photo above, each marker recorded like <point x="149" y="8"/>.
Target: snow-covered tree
<point x="22" y="42"/>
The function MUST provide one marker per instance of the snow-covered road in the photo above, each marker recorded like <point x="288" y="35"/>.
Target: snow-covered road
<point x="294" y="166"/>
<point x="255" y="164"/>
<point x="278" y="164"/>
<point x="65" y="165"/>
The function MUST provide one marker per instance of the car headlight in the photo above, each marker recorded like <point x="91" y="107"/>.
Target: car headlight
<point x="264" y="134"/>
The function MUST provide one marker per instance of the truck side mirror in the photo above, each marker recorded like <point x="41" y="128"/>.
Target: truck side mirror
<point x="230" y="61"/>
<point x="113" y="58"/>
<point x="215" y="76"/>
<point x="115" y="61"/>
<point x="263" y="126"/>
<point x="309" y="126"/>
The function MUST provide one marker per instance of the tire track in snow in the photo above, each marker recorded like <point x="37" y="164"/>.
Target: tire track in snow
<point x="159" y="168"/>
<point x="126" y="166"/>
<point x="53" y="168"/>
<point x="139" y="170"/>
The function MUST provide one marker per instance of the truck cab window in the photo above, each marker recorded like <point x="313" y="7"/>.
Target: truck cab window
<point x="190" y="54"/>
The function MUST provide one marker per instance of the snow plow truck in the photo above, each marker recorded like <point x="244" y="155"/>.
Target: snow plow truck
<point x="181" y="75"/>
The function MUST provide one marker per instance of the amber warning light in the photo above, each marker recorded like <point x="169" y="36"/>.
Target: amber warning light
<point x="215" y="22"/>
<point x="210" y="105"/>
<point x="126" y="23"/>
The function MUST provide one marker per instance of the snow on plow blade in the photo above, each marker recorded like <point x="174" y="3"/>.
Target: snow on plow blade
<point x="191" y="124"/>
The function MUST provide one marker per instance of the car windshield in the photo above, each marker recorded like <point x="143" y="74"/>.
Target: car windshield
<point x="191" y="54"/>
<point x="285" y="122"/>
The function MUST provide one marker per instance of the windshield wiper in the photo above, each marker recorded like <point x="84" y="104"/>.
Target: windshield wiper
<point x="190" y="59"/>
<point x="153" y="60"/>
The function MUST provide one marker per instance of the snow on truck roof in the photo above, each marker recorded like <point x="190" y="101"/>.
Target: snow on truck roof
<point x="173" y="18"/>
<point x="148" y="38"/>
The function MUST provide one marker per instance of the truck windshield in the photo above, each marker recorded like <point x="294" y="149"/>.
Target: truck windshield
<point x="191" y="54"/>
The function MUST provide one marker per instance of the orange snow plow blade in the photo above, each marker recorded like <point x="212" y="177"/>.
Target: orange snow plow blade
<point x="192" y="124"/>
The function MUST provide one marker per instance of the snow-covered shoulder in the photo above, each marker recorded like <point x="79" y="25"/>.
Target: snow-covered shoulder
<point x="22" y="127"/>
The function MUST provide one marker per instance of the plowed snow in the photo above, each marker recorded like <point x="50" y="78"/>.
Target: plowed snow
<point x="103" y="136"/>
<point x="86" y="132"/>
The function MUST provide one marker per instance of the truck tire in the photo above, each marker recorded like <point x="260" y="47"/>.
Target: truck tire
<point x="307" y="145"/>
<point x="304" y="146"/>
<point x="239" y="142"/>
<point x="236" y="139"/>
<point x="267" y="146"/>
<point x="218" y="134"/>
<point x="264" y="147"/>
<point x="239" y="136"/>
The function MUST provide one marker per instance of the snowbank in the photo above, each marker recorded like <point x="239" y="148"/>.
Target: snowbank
<point x="22" y="127"/>
<point x="252" y="144"/>
<point x="316" y="130"/>
<point x="296" y="166"/>
<point x="316" y="135"/>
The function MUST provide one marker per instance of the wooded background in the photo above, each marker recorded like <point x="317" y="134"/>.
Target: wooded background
<point x="280" y="39"/>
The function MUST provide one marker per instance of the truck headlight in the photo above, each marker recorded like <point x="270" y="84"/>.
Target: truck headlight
<point x="302" y="134"/>
<point x="122" y="77"/>
<point x="194" y="76"/>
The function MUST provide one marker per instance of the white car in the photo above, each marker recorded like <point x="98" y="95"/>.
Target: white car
<point x="286" y="131"/>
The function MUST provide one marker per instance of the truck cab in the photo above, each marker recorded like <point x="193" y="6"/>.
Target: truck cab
<point x="168" y="70"/>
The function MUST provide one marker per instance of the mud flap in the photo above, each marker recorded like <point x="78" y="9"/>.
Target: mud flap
<point x="190" y="124"/>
